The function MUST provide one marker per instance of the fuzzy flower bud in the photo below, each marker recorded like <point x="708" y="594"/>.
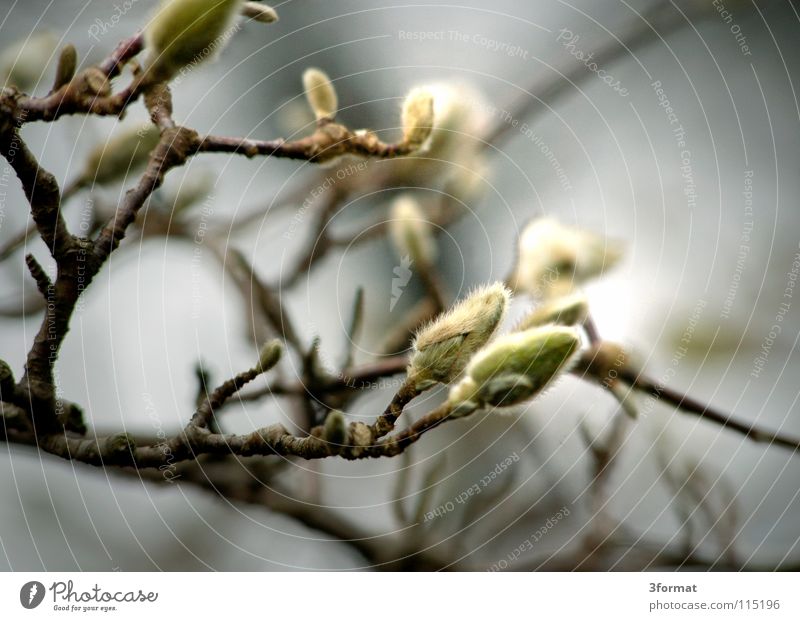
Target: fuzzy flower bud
<point x="259" y="12"/>
<point x="186" y="32"/>
<point x="443" y="348"/>
<point x="411" y="232"/>
<point x="569" y="310"/>
<point x="460" y="117"/>
<point x="417" y="117"/>
<point x="553" y="258"/>
<point x="121" y="155"/>
<point x="320" y="93"/>
<point x="269" y="355"/>
<point x="515" y="367"/>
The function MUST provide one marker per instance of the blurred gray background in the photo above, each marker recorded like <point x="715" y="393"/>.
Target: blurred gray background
<point x="153" y="312"/>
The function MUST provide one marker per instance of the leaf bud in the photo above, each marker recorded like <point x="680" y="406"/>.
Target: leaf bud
<point x="334" y="431"/>
<point x="67" y="64"/>
<point x="269" y="355"/>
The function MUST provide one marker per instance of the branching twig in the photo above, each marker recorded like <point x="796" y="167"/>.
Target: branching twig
<point x="687" y="404"/>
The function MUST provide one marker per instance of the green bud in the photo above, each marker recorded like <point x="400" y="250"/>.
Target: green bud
<point x="186" y="32"/>
<point x="570" y="310"/>
<point x="121" y="155"/>
<point x="259" y="12"/>
<point x="320" y="93"/>
<point x="442" y="348"/>
<point x="269" y="355"/>
<point x="411" y="232"/>
<point x="516" y="366"/>
<point x="334" y="431"/>
<point x="417" y="117"/>
<point x="553" y="258"/>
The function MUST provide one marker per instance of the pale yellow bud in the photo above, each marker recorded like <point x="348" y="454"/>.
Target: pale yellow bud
<point x="460" y="116"/>
<point x="553" y="258"/>
<point x="24" y="63"/>
<point x="259" y="12"/>
<point x="569" y="310"/>
<point x="411" y="232"/>
<point x="186" y="32"/>
<point x="442" y="348"/>
<point x="320" y="93"/>
<point x="121" y="155"/>
<point x="517" y="366"/>
<point x="417" y="117"/>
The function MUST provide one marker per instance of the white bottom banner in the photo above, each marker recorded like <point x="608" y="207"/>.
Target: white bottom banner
<point x="399" y="596"/>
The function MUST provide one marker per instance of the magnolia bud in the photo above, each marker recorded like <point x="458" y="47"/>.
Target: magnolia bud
<point x="269" y="355"/>
<point x="553" y="258"/>
<point x="417" y="117"/>
<point x="259" y="12"/>
<point x="114" y="160"/>
<point x="184" y="32"/>
<point x="461" y="116"/>
<point x="411" y="232"/>
<point x="23" y="64"/>
<point x="320" y="93"/>
<point x="569" y="310"/>
<point x="334" y="431"/>
<point x="516" y="366"/>
<point x="442" y="349"/>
